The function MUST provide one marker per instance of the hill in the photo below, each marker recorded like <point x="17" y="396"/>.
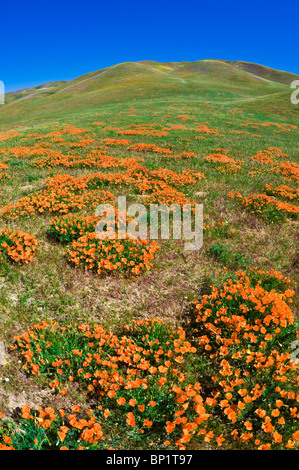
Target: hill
<point x="150" y="343"/>
<point x="266" y="72"/>
<point x="202" y="80"/>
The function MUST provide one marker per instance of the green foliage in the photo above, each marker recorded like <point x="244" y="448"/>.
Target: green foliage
<point x="227" y="255"/>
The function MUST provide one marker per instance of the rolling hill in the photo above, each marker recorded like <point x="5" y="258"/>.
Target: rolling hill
<point x="216" y="80"/>
<point x="148" y="343"/>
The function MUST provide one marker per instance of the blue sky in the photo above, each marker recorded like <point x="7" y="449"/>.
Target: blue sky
<point x="60" y="40"/>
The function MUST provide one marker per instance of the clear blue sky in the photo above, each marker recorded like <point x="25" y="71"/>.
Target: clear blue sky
<point x="46" y="41"/>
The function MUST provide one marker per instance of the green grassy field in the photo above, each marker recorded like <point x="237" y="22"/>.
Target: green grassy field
<point x="204" y="108"/>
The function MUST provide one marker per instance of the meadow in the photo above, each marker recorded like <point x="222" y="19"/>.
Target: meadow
<point x="140" y="344"/>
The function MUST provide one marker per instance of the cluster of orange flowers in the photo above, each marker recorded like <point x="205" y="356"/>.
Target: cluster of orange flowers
<point x="105" y="251"/>
<point x="202" y="128"/>
<point x="137" y="378"/>
<point x="3" y="174"/>
<point x="82" y="140"/>
<point x="176" y="127"/>
<point x="182" y="155"/>
<point x="78" y="430"/>
<point x="64" y="193"/>
<point x="267" y="205"/>
<point x="183" y="117"/>
<point x="164" y="194"/>
<point x="144" y="130"/>
<point x="230" y="165"/>
<point x="50" y="158"/>
<point x="269" y="156"/>
<point x="175" y="179"/>
<point x="8" y="135"/>
<point x="115" y="142"/>
<point x="72" y="226"/>
<point x="282" y="190"/>
<point x="268" y="202"/>
<point x="244" y="374"/>
<point x="149" y="148"/>
<point x="66" y="130"/>
<point x="271" y="274"/>
<point x="93" y="159"/>
<point x="245" y="132"/>
<point x="264" y="157"/>
<point x="129" y="255"/>
<point x="59" y="195"/>
<point x="240" y="327"/>
<point x="280" y="127"/>
<point x="17" y="246"/>
<point x="290" y="170"/>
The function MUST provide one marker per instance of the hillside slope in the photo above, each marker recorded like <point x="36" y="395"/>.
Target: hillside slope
<point x="130" y="81"/>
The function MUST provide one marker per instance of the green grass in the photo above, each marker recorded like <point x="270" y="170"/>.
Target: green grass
<point x="224" y="97"/>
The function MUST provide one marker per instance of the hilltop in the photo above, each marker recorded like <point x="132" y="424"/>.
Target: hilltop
<point x="205" y="80"/>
